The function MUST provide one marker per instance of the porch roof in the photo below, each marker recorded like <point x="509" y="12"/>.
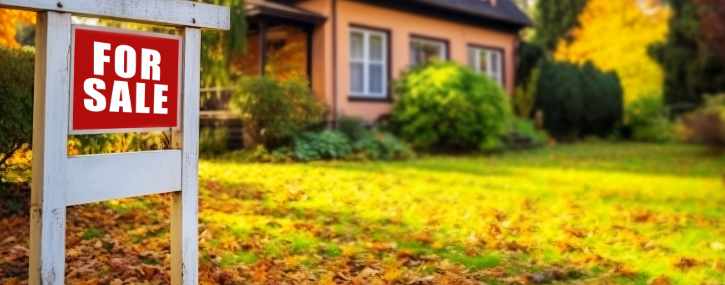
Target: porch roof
<point x="264" y="10"/>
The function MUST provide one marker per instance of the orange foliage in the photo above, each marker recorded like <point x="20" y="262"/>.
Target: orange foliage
<point x="288" y="62"/>
<point x="22" y="158"/>
<point x="8" y="19"/>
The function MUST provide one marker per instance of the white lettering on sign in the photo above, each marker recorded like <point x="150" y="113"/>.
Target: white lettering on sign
<point x="150" y="60"/>
<point x="159" y="98"/>
<point x="120" y="97"/>
<point x="99" y="57"/>
<point x="141" y="98"/>
<point x="125" y="67"/>
<point x="97" y="96"/>
<point x="129" y="60"/>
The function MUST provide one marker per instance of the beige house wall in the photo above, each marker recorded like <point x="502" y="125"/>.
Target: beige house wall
<point x="321" y="50"/>
<point x="400" y="25"/>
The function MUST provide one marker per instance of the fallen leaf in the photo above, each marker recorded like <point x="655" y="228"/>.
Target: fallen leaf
<point x="662" y="280"/>
<point x="424" y="280"/>
<point x="717" y="246"/>
<point x="685" y="263"/>
<point x="8" y="240"/>
<point x="719" y="265"/>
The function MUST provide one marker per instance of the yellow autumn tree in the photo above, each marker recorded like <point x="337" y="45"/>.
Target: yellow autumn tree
<point x="8" y="19"/>
<point x="614" y="35"/>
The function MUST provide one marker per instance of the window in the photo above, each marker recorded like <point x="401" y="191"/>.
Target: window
<point x="488" y="61"/>
<point x="423" y="51"/>
<point x="368" y="63"/>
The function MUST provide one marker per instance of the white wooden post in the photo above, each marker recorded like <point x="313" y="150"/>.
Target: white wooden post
<point x="59" y="181"/>
<point x="50" y="132"/>
<point x="184" y="203"/>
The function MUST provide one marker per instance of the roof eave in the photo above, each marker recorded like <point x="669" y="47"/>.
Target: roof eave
<point x="484" y="17"/>
<point x="257" y="11"/>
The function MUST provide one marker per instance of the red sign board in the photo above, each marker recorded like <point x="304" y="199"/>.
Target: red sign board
<point x="124" y="81"/>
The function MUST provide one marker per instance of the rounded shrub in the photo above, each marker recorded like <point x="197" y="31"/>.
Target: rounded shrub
<point x="274" y="111"/>
<point x="447" y="105"/>
<point x="578" y="101"/>
<point x="647" y="119"/>
<point x="706" y="124"/>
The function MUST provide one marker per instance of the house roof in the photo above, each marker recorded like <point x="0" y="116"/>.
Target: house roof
<point x="504" y="10"/>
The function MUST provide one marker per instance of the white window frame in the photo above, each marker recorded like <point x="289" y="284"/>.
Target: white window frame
<point x="366" y="62"/>
<point x="488" y="70"/>
<point x="443" y="56"/>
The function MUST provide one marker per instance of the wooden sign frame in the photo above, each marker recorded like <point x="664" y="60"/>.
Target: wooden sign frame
<point x="59" y="181"/>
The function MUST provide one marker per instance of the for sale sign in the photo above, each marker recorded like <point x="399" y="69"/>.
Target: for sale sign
<point x="124" y="81"/>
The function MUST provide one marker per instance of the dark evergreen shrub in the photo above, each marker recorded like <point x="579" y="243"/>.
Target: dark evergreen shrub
<point x="578" y="101"/>
<point x="17" y="69"/>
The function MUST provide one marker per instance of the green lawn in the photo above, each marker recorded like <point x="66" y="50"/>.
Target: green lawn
<point x="582" y="214"/>
<point x="623" y="213"/>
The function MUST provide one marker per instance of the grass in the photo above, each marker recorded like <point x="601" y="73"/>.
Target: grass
<point x="93" y="233"/>
<point x="622" y="212"/>
<point x="601" y="213"/>
<point x="242" y="257"/>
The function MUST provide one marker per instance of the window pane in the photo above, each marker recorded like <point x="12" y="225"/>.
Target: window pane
<point x="376" y="78"/>
<point x="496" y="66"/>
<point x="376" y="47"/>
<point x="495" y="63"/>
<point x="432" y="51"/>
<point x="425" y="51"/>
<point x="414" y="60"/>
<point x="472" y="58"/>
<point x="483" y="61"/>
<point x="356" y="45"/>
<point x="356" y="77"/>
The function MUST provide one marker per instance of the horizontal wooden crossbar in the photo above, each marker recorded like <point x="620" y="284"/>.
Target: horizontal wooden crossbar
<point x="160" y="12"/>
<point x="95" y="178"/>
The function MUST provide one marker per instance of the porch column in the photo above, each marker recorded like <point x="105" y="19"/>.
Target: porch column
<point x="309" y="32"/>
<point x="262" y="46"/>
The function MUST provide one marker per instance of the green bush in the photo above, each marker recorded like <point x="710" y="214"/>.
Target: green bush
<point x="382" y="146"/>
<point x="450" y="106"/>
<point x="274" y="112"/>
<point x="353" y="127"/>
<point x="578" y="101"/>
<point x="648" y="121"/>
<point x="17" y="69"/>
<point x="371" y="143"/>
<point x="283" y="154"/>
<point x="523" y="133"/>
<point x="311" y="146"/>
<point x="213" y="141"/>
<point x="524" y="96"/>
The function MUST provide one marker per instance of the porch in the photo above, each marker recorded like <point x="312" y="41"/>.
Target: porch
<point x="283" y="34"/>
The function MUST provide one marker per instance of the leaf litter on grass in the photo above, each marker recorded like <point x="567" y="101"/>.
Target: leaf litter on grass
<point x="572" y="214"/>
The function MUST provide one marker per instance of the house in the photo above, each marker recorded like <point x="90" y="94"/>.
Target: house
<point x="351" y="50"/>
